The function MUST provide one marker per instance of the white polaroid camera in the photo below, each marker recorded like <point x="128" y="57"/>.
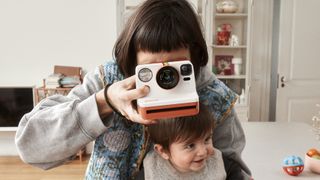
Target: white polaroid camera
<point x="172" y="90"/>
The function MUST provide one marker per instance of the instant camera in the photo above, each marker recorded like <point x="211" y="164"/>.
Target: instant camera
<point x="172" y="90"/>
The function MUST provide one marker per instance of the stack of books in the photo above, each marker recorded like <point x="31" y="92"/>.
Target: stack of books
<point x="70" y="81"/>
<point x="53" y="81"/>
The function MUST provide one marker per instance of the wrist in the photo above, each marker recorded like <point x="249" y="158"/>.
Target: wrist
<point x="103" y="108"/>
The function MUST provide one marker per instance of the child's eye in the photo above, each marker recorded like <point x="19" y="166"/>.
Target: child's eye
<point x="208" y="139"/>
<point x="190" y="146"/>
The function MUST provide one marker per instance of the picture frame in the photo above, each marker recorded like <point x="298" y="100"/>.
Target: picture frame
<point x="223" y="65"/>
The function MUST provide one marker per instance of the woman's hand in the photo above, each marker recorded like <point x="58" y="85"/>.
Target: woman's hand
<point x="122" y="93"/>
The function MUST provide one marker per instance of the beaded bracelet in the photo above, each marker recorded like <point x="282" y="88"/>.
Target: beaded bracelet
<point x="108" y="101"/>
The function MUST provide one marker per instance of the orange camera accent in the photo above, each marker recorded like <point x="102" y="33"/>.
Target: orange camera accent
<point x="169" y="111"/>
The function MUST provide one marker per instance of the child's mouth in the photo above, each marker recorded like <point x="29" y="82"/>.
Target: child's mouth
<point x="199" y="161"/>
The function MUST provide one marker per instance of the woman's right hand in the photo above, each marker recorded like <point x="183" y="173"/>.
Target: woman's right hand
<point x="121" y="94"/>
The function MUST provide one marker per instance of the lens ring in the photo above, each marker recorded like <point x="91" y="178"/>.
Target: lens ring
<point x="145" y="74"/>
<point x="167" y="77"/>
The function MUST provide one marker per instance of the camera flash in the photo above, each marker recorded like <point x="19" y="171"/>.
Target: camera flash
<point x="145" y="75"/>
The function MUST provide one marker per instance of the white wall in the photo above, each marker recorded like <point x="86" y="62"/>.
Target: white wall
<point x="35" y="35"/>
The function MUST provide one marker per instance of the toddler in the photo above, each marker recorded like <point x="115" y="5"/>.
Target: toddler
<point x="183" y="149"/>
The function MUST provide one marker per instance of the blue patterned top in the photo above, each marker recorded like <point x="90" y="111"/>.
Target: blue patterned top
<point x="118" y="153"/>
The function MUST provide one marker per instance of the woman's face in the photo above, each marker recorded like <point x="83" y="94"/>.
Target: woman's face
<point x="145" y="57"/>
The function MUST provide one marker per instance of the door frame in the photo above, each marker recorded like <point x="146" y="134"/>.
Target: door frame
<point x="261" y="58"/>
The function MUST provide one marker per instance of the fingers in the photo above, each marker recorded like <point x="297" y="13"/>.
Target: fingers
<point x="132" y="94"/>
<point x="126" y="94"/>
<point x="135" y="117"/>
<point x="129" y="82"/>
<point x="137" y="93"/>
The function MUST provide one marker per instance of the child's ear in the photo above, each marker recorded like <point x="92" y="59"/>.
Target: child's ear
<point x="161" y="151"/>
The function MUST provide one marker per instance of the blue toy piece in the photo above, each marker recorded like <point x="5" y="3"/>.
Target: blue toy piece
<point x="292" y="161"/>
<point x="293" y="165"/>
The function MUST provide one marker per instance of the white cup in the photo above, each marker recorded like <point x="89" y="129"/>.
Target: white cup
<point x="237" y="65"/>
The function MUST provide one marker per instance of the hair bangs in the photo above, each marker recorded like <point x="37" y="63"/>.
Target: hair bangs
<point x="193" y="128"/>
<point x="161" y="33"/>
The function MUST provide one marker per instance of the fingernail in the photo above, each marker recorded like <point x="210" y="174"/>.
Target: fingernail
<point x="146" y="88"/>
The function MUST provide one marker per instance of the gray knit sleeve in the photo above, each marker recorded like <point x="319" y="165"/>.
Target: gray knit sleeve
<point x="229" y="138"/>
<point x="59" y="126"/>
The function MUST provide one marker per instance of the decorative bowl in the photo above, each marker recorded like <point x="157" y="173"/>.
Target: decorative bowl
<point x="313" y="164"/>
<point x="226" y="6"/>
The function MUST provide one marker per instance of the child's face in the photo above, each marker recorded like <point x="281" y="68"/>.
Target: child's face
<point x="144" y="57"/>
<point x="192" y="156"/>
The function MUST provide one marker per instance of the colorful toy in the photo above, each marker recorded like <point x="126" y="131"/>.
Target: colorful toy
<point x="293" y="165"/>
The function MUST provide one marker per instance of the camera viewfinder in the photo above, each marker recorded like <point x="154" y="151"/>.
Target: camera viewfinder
<point x="186" y="69"/>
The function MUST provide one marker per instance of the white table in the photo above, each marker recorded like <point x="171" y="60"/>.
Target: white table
<point x="268" y="143"/>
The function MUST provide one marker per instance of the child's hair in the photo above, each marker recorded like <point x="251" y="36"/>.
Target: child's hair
<point x="161" y="26"/>
<point x="181" y="129"/>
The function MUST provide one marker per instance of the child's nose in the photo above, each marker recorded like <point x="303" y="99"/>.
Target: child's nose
<point x="202" y="151"/>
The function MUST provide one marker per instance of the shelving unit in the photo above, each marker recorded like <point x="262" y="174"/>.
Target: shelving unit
<point x="240" y="22"/>
<point x="43" y="92"/>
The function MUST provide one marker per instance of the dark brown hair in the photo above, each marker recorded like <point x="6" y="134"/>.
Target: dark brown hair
<point x="160" y="26"/>
<point x="181" y="129"/>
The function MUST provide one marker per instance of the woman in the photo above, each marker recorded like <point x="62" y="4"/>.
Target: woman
<point x="102" y="109"/>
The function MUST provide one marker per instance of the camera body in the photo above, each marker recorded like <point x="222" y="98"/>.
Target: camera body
<point x="172" y="90"/>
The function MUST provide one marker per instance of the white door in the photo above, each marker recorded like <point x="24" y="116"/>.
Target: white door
<point x="299" y="61"/>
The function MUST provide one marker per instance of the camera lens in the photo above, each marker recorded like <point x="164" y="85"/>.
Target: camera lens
<point x="167" y="77"/>
<point x="145" y="75"/>
<point x="185" y="69"/>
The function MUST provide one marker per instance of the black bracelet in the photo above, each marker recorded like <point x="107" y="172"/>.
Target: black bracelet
<point x="108" y="101"/>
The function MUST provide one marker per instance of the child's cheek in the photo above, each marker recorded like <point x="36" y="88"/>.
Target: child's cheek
<point x="210" y="150"/>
